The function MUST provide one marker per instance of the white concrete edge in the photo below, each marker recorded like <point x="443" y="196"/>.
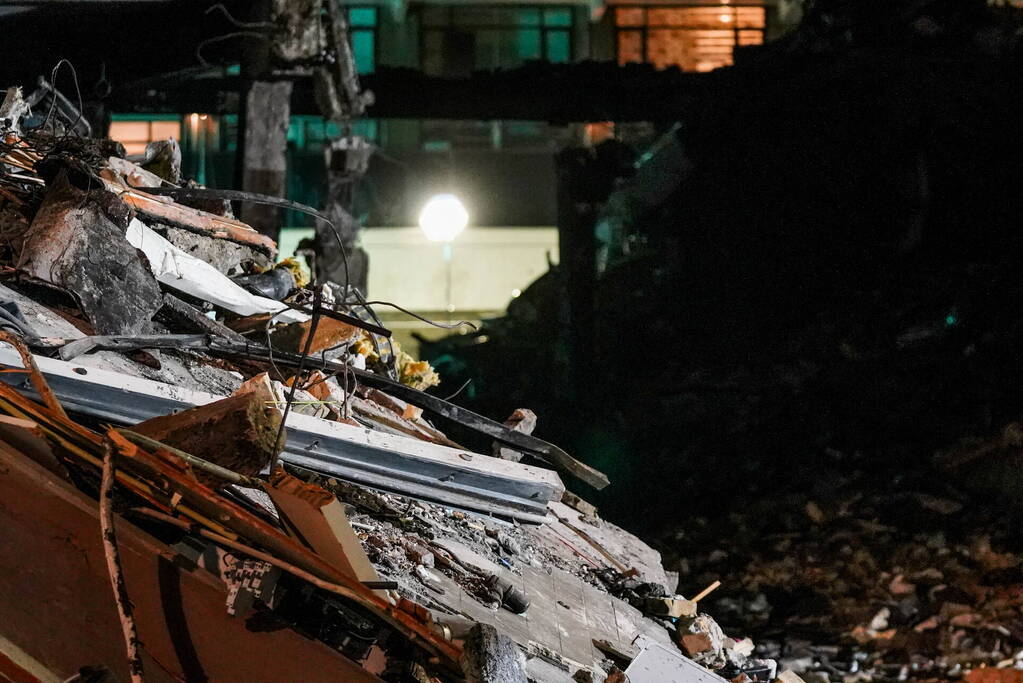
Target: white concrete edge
<point x="409" y="447"/>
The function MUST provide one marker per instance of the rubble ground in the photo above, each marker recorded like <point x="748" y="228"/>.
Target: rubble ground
<point x="870" y="577"/>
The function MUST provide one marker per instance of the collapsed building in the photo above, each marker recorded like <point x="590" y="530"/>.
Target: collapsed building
<point x="282" y="500"/>
<point x="216" y="469"/>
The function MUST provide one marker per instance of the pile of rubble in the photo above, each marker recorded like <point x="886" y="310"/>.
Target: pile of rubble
<point x="165" y="375"/>
<point x="868" y="578"/>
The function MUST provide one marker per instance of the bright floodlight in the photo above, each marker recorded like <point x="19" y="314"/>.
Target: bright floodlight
<point x="443" y="218"/>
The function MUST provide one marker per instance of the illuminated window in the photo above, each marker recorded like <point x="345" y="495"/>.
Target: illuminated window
<point x="362" y="27"/>
<point x="459" y="39"/>
<point x="693" y="38"/>
<point x="136" y="132"/>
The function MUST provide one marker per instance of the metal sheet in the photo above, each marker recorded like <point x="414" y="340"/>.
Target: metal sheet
<point x="375" y="459"/>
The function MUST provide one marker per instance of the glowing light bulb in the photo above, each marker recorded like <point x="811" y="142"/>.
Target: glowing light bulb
<point x="443" y="218"/>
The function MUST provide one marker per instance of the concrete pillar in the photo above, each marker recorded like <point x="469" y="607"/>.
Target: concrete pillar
<point x="267" y="116"/>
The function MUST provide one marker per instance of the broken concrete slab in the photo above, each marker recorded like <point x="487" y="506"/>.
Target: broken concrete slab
<point x="522" y="420"/>
<point x="223" y="255"/>
<point x="625" y="547"/>
<point x="657" y="663"/>
<point x="76" y="242"/>
<point x="182" y="372"/>
<point x="488" y="657"/>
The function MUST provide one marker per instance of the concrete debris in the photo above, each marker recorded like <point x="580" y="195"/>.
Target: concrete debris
<point x="329" y="335"/>
<point x="227" y="257"/>
<point x="522" y="420"/>
<point x="489" y="657"/>
<point x="192" y="276"/>
<point x="259" y="451"/>
<point x="659" y="664"/>
<point x="77" y="243"/>
<point x="239" y="433"/>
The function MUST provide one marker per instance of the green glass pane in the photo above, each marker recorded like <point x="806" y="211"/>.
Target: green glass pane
<point x="367" y="128"/>
<point x="296" y="132"/>
<point x="363" y="44"/>
<point x="527" y="17"/>
<point x="315" y="133"/>
<point x="559" y="47"/>
<point x="527" y="44"/>
<point x="362" y="16"/>
<point x="145" y="117"/>
<point x="557" y="17"/>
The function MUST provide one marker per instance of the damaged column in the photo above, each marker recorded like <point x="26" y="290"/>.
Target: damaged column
<point x="268" y="114"/>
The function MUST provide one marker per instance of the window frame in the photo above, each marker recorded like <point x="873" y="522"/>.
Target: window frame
<point x="451" y="27"/>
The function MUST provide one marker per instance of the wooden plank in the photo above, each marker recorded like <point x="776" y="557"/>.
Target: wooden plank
<point x="180" y="216"/>
<point x="319" y="520"/>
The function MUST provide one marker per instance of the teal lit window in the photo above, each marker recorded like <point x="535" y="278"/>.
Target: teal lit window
<point x="362" y="16"/>
<point x="362" y="27"/>
<point x="457" y="39"/>
<point x="557" y="22"/>
<point x="559" y="47"/>
<point x="364" y="51"/>
<point x="560" y="16"/>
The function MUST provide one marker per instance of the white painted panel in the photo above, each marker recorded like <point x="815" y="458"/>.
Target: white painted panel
<point x="487" y="265"/>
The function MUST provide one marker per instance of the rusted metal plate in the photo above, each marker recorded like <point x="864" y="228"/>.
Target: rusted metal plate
<point x="56" y="603"/>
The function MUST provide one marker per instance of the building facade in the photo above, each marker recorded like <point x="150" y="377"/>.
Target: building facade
<point x="503" y="170"/>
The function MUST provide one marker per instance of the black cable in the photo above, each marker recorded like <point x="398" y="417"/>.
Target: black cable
<point x="298" y="373"/>
<point x="53" y="98"/>
<point x="443" y="326"/>
<point x="269" y="25"/>
<point x="226" y="36"/>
